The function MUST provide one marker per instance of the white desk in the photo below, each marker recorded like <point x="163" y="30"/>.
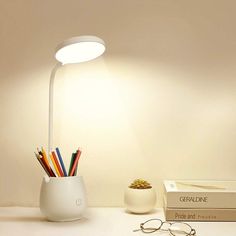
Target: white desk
<point x="97" y="221"/>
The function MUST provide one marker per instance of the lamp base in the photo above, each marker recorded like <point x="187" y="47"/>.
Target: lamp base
<point x="63" y="198"/>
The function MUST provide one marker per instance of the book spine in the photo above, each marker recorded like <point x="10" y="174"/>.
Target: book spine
<point x="200" y="199"/>
<point x="175" y="214"/>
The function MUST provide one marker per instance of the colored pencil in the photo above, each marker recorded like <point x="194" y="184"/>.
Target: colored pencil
<point x="41" y="163"/>
<point x="61" y="161"/>
<point x="75" y="162"/>
<point x="54" y="164"/>
<point x="76" y="167"/>
<point x="45" y="156"/>
<point x="57" y="164"/>
<point x="48" y="168"/>
<point x="71" y="162"/>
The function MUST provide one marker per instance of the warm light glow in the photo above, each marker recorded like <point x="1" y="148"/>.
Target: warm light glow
<point x="80" y="49"/>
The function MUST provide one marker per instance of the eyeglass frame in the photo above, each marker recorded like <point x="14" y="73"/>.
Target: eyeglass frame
<point x="191" y="233"/>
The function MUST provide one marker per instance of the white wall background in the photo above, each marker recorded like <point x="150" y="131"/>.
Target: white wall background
<point x="160" y="103"/>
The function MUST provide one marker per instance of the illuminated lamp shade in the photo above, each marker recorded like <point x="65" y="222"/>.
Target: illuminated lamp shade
<point x="79" y="49"/>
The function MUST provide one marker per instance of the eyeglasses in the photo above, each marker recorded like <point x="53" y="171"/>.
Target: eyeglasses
<point x="174" y="228"/>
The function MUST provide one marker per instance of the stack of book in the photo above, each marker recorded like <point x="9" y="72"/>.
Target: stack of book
<point x="200" y="200"/>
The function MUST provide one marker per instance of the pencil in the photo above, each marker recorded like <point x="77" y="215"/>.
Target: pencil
<point x="45" y="162"/>
<point x="45" y="156"/>
<point x="54" y="164"/>
<point x="41" y="163"/>
<point x="57" y="164"/>
<point x="75" y="162"/>
<point x="71" y="162"/>
<point x="76" y="167"/>
<point x="61" y="161"/>
<point x="49" y="169"/>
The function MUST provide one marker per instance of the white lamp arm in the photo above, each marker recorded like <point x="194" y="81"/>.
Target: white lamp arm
<point x="50" y="124"/>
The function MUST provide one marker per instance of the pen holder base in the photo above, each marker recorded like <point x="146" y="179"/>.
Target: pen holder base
<point x="63" y="198"/>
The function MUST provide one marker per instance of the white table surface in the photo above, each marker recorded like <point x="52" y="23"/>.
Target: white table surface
<point x="97" y="221"/>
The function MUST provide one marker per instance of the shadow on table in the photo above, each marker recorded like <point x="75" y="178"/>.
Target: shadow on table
<point x="152" y="212"/>
<point x="35" y="219"/>
<point x="22" y="218"/>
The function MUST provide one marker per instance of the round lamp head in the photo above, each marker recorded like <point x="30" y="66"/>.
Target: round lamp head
<point x="79" y="49"/>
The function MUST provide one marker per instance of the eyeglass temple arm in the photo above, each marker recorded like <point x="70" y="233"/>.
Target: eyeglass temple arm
<point x="141" y="227"/>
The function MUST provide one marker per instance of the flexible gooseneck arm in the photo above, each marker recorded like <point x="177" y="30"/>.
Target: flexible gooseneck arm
<point x="50" y="124"/>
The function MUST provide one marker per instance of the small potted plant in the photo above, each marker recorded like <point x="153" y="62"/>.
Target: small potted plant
<point x="140" y="197"/>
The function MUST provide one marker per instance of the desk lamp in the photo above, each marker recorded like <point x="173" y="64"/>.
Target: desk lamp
<point x="73" y="50"/>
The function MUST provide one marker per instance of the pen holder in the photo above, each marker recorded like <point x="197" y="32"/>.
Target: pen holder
<point x="63" y="198"/>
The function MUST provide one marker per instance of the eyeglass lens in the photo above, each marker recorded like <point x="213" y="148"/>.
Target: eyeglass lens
<point x="151" y="225"/>
<point x="180" y="229"/>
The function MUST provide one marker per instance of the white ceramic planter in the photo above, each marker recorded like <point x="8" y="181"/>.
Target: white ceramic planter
<point x="140" y="200"/>
<point x="63" y="198"/>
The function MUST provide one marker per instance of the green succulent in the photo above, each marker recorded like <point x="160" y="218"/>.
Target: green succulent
<point x="140" y="184"/>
